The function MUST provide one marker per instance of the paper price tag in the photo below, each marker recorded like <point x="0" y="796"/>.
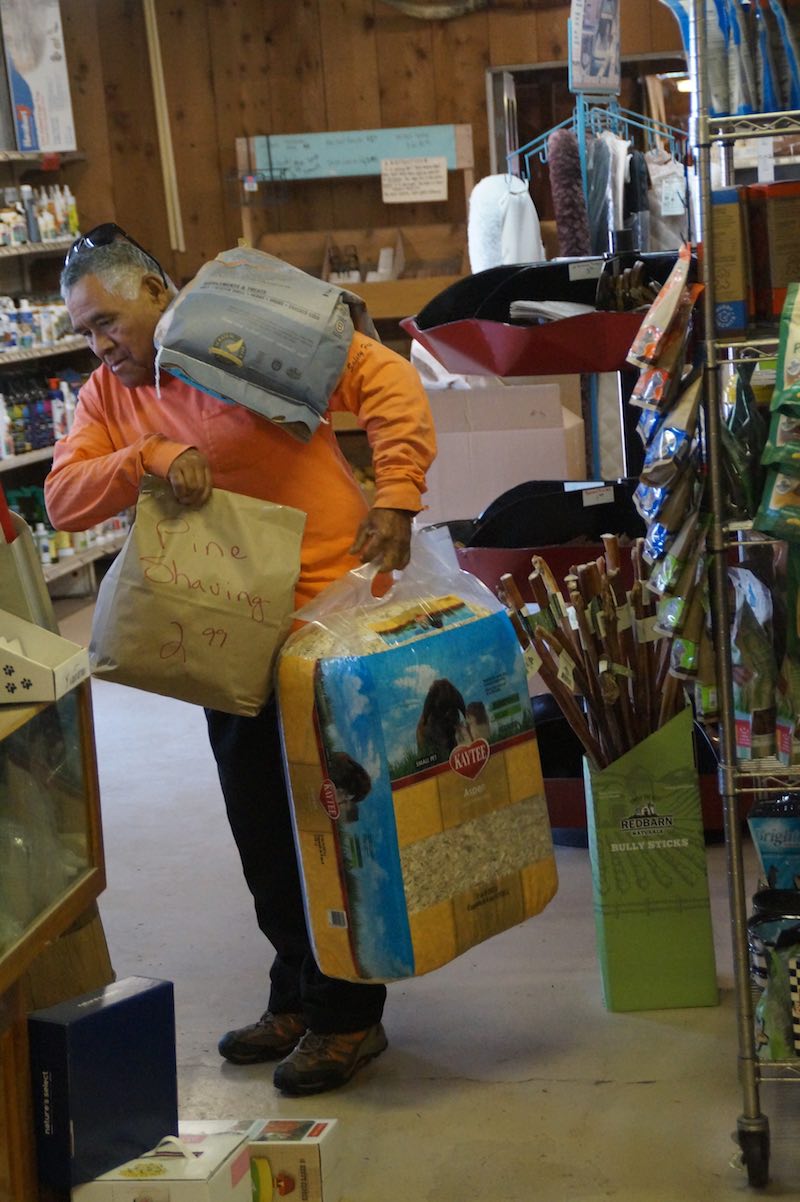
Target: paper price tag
<point x="533" y="661"/>
<point x="566" y="670"/>
<point x="673" y="198"/>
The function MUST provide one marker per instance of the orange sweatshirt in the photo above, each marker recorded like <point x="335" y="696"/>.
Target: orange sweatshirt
<point x="120" y="434"/>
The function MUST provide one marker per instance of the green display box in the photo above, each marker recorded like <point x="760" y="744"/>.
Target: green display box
<point x="650" y="884"/>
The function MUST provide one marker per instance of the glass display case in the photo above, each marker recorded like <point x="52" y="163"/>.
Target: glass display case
<point x="51" y="871"/>
<point x="51" y="863"/>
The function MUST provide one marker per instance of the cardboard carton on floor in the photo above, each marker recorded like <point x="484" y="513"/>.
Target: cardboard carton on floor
<point x="297" y="1158"/>
<point x="495" y="437"/>
<point x="650" y="885"/>
<point x="209" y="1161"/>
<point x="103" y="1078"/>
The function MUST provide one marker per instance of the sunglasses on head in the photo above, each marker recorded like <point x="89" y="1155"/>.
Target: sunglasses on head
<point x="104" y="235"/>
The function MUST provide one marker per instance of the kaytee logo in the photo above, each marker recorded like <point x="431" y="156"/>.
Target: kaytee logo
<point x="231" y="347"/>
<point x="468" y="760"/>
<point x="644" y="819"/>
<point x="327" y="798"/>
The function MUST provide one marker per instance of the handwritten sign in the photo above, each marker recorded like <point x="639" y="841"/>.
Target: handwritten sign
<point x="350" y="152"/>
<point x="406" y="180"/>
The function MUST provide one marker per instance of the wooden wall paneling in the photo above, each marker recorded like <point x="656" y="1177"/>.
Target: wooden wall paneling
<point x="240" y="70"/>
<point x="665" y="31"/>
<point x="89" y="179"/>
<point x="635" y="32"/>
<point x="406" y="83"/>
<point x="138" y="191"/>
<point x="513" y="37"/>
<point x="297" y="102"/>
<point x="352" y="98"/>
<point x="461" y="50"/>
<point x="551" y="34"/>
<point x="184" y="36"/>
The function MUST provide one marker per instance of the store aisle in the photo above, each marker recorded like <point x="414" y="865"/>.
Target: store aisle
<point x="505" y="1076"/>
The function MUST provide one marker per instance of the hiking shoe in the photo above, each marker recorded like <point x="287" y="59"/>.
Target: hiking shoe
<point x="321" y="1062"/>
<point x="271" y="1038"/>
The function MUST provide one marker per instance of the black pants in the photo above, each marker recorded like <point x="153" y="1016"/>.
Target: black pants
<point x="250" y="764"/>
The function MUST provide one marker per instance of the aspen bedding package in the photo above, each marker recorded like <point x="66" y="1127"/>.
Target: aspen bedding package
<point x="417" y="795"/>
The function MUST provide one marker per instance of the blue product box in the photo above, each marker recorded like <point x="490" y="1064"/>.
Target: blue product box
<point x="104" y="1078"/>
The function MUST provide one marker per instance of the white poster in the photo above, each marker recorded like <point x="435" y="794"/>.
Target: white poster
<point x="38" y="83"/>
<point x="404" y="181"/>
<point x="594" y="46"/>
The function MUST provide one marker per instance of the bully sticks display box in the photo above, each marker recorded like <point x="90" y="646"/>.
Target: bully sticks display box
<point x="103" y="1077"/>
<point x="417" y="794"/>
<point x="297" y="1158"/>
<point x="650" y="886"/>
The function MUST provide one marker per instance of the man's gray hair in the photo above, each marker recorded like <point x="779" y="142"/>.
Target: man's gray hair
<point x="119" y="266"/>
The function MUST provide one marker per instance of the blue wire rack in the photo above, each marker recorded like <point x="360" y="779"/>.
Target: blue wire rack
<point x="591" y="115"/>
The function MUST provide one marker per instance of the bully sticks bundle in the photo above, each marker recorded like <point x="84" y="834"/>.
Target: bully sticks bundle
<point x="598" y="649"/>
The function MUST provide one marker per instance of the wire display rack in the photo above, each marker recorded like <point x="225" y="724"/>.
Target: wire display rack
<point x="756" y="777"/>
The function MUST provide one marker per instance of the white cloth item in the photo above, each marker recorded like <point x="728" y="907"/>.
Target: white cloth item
<point x="618" y="149"/>
<point x="503" y="225"/>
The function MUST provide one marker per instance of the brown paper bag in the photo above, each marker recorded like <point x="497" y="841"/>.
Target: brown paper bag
<point x="198" y="601"/>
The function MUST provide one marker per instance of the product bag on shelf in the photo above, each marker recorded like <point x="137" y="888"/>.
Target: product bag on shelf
<point x="417" y="795"/>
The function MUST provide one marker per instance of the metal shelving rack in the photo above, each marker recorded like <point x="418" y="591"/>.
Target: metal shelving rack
<point x="760" y="776"/>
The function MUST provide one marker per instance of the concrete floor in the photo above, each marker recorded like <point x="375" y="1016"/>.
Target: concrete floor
<point x="506" y="1079"/>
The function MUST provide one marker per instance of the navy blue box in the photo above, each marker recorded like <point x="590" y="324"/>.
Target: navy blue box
<point x="104" y="1078"/>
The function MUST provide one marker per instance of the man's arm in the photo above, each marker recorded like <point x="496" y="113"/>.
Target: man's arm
<point x="386" y="394"/>
<point x="94" y="477"/>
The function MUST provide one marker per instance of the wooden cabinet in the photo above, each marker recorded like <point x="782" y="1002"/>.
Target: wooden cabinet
<point x="51" y="872"/>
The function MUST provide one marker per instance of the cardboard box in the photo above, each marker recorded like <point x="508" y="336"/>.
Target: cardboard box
<point x="732" y="285"/>
<point x="773" y="215"/>
<point x="650" y="886"/>
<point x="208" y="1162"/>
<point x="491" y="439"/>
<point x="297" y="1158"/>
<point x="35" y="664"/>
<point x="103" y="1078"/>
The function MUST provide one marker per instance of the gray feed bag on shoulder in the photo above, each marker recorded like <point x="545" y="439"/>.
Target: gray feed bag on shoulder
<point x="258" y="332"/>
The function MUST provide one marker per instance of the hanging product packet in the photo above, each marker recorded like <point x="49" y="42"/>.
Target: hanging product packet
<point x="673" y="607"/>
<point x="665" y="509"/>
<point x="664" y="579"/>
<point x="649" y="341"/>
<point x="659" y="384"/>
<point x="785" y="54"/>
<point x="786" y="393"/>
<point x="753" y="665"/>
<point x="787" y="689"/>
<point x="779" y="510"/>
<point x="743" y="437"/>
<point x="718" y="38"/>
<point x="672" y="441"/>
<point x="684" y="661"/>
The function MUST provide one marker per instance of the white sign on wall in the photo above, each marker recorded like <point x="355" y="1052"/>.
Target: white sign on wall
<point x="404" y="181"/>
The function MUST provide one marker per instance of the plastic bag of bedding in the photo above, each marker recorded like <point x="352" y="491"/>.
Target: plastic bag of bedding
<point x="256" y="331"/>
<point x="417" y="796"/>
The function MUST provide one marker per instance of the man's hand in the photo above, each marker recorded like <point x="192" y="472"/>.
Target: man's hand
<point x="190" y="477"/>
<point x="385" y="538"/>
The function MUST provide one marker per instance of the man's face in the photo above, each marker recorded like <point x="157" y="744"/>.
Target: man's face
<point x="119" y="330"/>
